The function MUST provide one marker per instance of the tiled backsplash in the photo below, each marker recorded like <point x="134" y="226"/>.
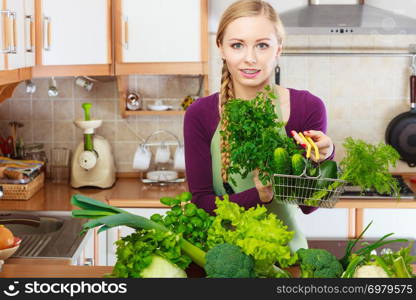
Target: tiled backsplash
<point x="49" y="120"/>
<point x="361" y="94"/>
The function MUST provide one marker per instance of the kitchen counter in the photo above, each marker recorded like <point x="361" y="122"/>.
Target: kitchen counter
<point x="130" y="192"/>
<point x="53" y="271"/>
<point x="126" y="192"/>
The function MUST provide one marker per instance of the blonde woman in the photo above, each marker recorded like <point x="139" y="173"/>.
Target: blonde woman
<point x="250" y="38"/>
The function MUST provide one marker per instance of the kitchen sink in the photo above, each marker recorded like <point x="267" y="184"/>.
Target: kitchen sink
<point x="45" y="234"/>
<point x="44" y="226"/>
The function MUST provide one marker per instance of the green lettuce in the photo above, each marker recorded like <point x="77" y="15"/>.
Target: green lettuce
<point x="259" y="234"/>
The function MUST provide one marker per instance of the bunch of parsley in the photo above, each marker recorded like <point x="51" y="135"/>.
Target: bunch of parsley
<point x="253" y="132"/>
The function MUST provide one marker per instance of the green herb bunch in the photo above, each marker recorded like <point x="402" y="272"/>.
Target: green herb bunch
<point x="253" y="132"/>
<point x="136" y="251"/>
<point x="185" y="218"/>
<point x="367" y="165"/>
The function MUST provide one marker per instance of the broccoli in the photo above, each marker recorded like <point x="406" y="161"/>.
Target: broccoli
<point x="318" y="263"/>
<point x="228" y="261"/>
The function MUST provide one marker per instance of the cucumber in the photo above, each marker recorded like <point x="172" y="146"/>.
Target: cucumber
<point x="282" y="161"/>
<point x="282" y="165"/>
<point x="328" y="169"/>
<point x="298" y="164"/>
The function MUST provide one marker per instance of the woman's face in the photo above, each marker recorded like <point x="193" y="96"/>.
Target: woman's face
<point x="250" y="49"/>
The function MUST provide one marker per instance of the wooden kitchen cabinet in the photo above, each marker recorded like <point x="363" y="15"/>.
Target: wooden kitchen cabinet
<point x="324" y="223"/>
<point x="18" y="34"/>
<point x="16" y="44"/>
<point x="73" y="38"/>
<point x="161" y="37"/>
<point x="402" y="222"/>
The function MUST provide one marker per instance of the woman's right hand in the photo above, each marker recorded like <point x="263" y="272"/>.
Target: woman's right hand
<point x="265" y="191"/>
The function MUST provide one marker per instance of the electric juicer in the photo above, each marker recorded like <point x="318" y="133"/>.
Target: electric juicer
<point x="93" y="161"/>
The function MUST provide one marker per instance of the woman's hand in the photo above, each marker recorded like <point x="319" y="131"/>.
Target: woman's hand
<point x="321" y="140"/>
<point x="265" y="191"/>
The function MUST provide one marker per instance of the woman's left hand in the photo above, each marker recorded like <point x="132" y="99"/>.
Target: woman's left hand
<point x="321" y="140"/>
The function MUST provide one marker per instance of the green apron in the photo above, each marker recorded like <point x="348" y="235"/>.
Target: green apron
<point x="285" y="212"/>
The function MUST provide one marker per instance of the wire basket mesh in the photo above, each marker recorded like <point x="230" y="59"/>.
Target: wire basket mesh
<point x="309" y="191"/>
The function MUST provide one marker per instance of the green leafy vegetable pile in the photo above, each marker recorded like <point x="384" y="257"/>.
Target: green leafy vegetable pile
<point x="185" y="218"/>
<point x="259" y="234"/>
<point x="241" y="243"/>
<point x="137" y="251"/>
<point x="253" y="132"/>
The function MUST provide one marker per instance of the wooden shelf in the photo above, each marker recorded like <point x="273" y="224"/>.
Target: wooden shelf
<point x="154" y="113"/>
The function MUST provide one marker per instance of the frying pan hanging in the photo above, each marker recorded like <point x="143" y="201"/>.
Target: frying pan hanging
<point x="401" y="131"/>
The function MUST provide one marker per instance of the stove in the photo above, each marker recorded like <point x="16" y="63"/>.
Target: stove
<point x="355" y="192"/>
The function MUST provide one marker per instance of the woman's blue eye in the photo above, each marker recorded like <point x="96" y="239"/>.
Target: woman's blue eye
<point x="236" y="45"/>
<point x="263" y="46"/>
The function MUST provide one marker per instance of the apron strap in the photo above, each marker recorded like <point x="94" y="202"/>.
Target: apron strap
<point x="228" y="188"/>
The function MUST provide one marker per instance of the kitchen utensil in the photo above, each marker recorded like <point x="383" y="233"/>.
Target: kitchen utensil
<point x="142" y="158"/>
<point x="162" y="175"/>
<point x="401" y="131"/>
<point x="6" y="146"/>
<point x="14" y="125"/>
<point x="161" y="171"/>
<point x="93" y="161"/>
<point x="159" y="106"/>
<point x="162" y="154"/>
<point x="60" y="162"/>
<point x="133" y="101"/>
<point x="179" y="159"/>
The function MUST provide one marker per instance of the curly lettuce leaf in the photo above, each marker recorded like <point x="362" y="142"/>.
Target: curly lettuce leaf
<point x="258" y="233"/>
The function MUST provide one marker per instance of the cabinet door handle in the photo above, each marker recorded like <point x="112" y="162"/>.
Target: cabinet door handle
<point x="5" y="38"/>
<point x="30" y="33"/>
<point x="126" y="33"/>
<point x="13" y="35"/>
<point x="46" y="33"/>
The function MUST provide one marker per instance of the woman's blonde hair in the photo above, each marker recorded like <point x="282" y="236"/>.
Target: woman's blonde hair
<point x="242" y="8"/>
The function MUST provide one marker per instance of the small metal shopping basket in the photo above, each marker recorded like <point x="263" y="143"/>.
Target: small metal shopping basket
<point x="307" y="190"/>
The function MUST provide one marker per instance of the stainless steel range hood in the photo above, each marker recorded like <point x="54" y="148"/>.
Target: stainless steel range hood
<point x="346" y="19"/>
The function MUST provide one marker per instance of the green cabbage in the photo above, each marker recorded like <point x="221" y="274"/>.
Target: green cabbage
<point x="162" y="268"/>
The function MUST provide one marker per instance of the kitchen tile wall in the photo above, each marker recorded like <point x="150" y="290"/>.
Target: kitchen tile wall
<point x="361" y="94"/>
<point x="49" y="120"/>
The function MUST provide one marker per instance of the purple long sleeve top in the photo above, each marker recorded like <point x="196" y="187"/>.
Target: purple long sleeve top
<point x="307" y="112"/>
